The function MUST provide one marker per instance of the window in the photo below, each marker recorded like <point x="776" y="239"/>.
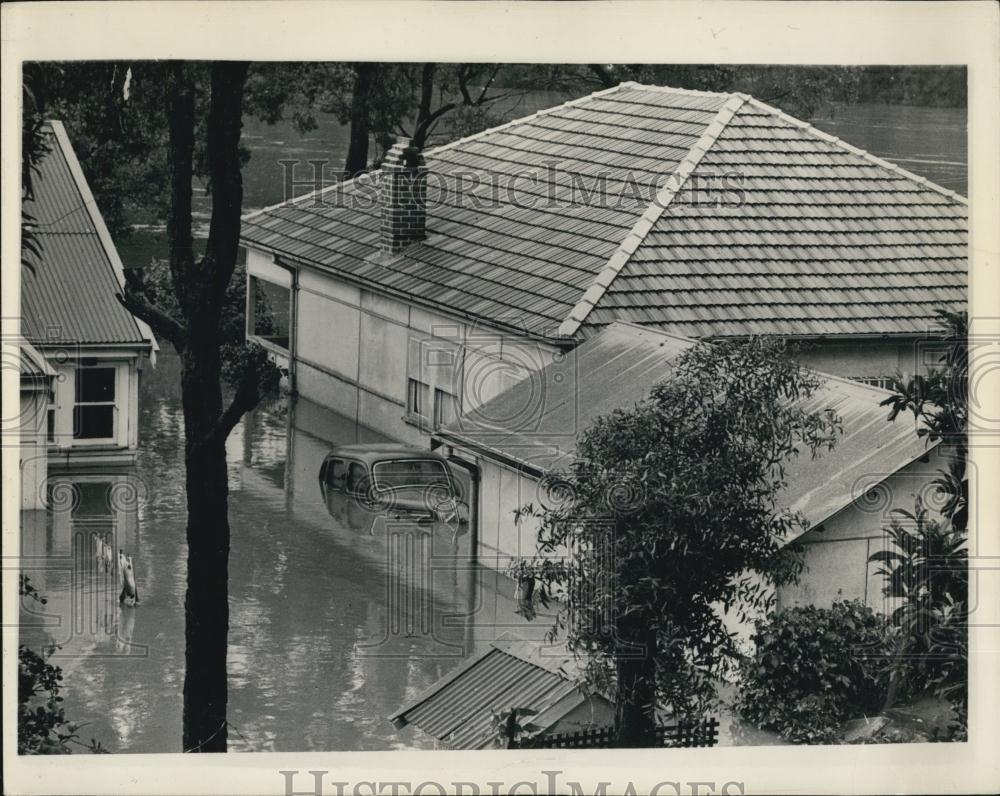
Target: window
<point x="270" y="312"/>
<point x="94" y="412"/>
<point x="403" y="473"/>
<point x="336" y="471"/>
<point x="355" y="477"/>
<point x="444" y="408"/>
<point x="417" y="397"/>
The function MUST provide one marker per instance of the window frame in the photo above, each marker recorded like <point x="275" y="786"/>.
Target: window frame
<point x="78" y="405"/>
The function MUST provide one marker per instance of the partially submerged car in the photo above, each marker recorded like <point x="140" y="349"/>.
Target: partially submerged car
<point x="363" y="483"/>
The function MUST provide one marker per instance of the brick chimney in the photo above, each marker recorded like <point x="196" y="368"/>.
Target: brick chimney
<point x="403" y="196"/>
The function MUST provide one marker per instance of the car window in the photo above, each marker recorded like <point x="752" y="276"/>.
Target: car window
<point x="355" y="476"/>
<point x="335" y="473"/>
<point x="399" y="473"/>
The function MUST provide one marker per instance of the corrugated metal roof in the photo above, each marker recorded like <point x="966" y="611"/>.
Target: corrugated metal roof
<point x="828" y="241"/>
<point x="70" y="297"/>
<point x="618" y="367"/>
<point x="512" y="673"/>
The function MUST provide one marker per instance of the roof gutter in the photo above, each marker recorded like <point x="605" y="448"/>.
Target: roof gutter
<point x="453" y="438"/>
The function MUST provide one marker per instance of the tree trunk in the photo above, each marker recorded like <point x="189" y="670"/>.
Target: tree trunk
<point x="206" y="603"/>
<point x="635" y="693"/>
<point x="357" y="152"/>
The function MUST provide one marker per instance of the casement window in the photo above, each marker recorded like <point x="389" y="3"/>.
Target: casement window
<point x="444" y="408"/>
<point x="94" y="407"/>
<point x="417" y="398"/>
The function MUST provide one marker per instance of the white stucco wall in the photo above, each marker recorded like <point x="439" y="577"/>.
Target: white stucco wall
<point x="866" y="358"/>
<point x="355" y="350"/>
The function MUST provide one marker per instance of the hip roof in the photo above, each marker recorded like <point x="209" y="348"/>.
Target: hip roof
<point x="696" y="213"/>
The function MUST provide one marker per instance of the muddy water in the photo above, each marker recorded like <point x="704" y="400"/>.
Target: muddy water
<point x="332" y="630"/>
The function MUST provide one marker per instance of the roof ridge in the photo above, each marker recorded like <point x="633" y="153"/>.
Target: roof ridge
<point x="886" y="164"/>
<point x="693" y="92"/>
<point x="443" y="147"/>
<point x="650" y="216"/>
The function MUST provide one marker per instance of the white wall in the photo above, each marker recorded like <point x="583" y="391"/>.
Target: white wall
<point x="355" y="350"/>
<point x="33" y="458"/>
<point x="867" y="358"/>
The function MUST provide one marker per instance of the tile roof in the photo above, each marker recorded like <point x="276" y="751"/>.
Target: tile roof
<point x="70" y="297"/>
<point x="828" y="239"/>
<point x="511" y="673"/>
<point x="617" y="368"/>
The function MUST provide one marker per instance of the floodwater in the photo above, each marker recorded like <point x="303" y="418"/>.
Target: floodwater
<point x="332" y="629"/>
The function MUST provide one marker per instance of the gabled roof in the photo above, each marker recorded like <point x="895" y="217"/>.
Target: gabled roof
<point x="828" y="240"/>
<point x="511" y="673"/>
<point x="70" y="297"/>
<point x="618" y="367"/>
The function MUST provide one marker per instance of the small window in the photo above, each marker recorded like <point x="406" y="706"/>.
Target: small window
<point x="94" y="412"/>
<point x="51" y="425"/>
<point x="444" y="408"/>
<point x="270" y="312"/>
<point x="356" y="474"/>
<point x="417" y="396"/>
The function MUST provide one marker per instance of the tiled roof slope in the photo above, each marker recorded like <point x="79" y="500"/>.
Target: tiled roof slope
<point x="70" y="297"/>
<point x="829" y="239"/>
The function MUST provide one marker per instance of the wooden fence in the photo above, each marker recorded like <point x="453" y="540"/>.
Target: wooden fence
<point x="687" y="734"/>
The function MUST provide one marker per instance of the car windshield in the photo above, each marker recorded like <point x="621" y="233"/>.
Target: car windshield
<point x="400" y="473"/>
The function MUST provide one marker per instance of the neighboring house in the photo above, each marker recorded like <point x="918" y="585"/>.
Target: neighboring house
<point x="37" y="378"/>
<point x="710" y="216"/>
<point x="844" y="494"/>
<point x="70" y="314"/>
<point x="512" y="673"/>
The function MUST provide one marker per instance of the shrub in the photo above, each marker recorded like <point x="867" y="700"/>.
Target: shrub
<point x="812" y="669"/>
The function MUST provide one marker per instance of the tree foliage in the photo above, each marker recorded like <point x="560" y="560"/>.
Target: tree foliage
<point x="669" y="513"/>
<point x="925" y="564"/>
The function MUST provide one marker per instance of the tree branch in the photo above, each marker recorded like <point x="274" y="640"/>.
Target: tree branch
<point x="159" y="320"/>
<point x="225" y="122"/>
<point x="246" y="398"/>
<point x="180" y="118"/>
<point x="607" y="79"/>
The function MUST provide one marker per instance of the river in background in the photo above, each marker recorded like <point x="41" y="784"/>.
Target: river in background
<point x="931" y="142"/>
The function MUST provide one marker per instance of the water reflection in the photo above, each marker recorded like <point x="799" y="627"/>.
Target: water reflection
<point x="331" y="630"/>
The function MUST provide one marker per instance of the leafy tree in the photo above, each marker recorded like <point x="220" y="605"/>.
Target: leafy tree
<point x="925" y="565"/>
<point x="199" y="288"/>
<point x="34" y="147"/>
<point x="669" y="513"/>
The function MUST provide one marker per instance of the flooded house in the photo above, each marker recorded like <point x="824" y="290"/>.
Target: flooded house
<point x="95" y="348"/>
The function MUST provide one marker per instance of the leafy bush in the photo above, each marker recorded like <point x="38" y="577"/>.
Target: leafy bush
<point x="812" y="669"/>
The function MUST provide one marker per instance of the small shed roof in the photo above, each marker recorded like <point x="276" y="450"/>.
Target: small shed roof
<point x="618" y="367"/>
<point x="702" y="214"/>
<point x="70" y="297"/>
<point x="512" y="673"/>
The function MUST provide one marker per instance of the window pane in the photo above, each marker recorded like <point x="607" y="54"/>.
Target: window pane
<point x="410" y="472"/>
<point x="93" y="422"/>
<point x="95" y="385"/>
<point x="355" y="477"/>
<point x="444" y="408"/>
<point x="271" y="312"/>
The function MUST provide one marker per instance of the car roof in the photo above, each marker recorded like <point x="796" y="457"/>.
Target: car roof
<point x="371" y="452"/>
